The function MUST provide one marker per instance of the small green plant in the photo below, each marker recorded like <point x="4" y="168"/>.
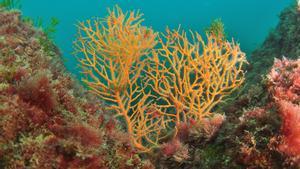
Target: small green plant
<point x="51" y="28"/>
<point x="10" y="4"/>
<point x="216" y="28"/>
<point x="48" y="29"/>
<point x="37" y="23"/>
<point x="47" y="41"/>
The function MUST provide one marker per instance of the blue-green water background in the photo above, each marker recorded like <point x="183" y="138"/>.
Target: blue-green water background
<point x="248" y="21"/>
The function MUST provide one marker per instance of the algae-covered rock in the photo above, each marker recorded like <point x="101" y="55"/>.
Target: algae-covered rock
<point x="47" y="120"/>
<point x="284" y="40"/>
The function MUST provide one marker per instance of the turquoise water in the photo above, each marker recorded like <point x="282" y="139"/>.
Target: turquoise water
<point x="248" y="21"/>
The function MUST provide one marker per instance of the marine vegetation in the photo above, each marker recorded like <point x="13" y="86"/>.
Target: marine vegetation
<point x="10" y="4"/>
<point x="182" y="81"/>
<point x="216" y="28"/>
<point x="285" y="87"/>
<point x="47" y="120"/>
<point x="154" y="100"/>
<point x="281" y="41"/>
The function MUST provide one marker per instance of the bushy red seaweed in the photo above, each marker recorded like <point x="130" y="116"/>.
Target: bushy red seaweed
<point x="38" y="91"/>
<point x="284" y="86"/>
<point x="48" y="120"/>
<point x="290" y="114"/>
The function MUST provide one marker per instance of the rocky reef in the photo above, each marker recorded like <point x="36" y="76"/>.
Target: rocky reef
<point x="281" y="41"/>
<point x="47" y="119"/>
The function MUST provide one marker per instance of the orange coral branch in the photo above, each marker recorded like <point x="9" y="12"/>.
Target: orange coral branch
<point x="194" y="76"/>
<point x="111" y="53"/>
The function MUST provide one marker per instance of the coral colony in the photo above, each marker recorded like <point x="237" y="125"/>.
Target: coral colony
<point x="183" y="79"/>
<point x="171" y="99"/>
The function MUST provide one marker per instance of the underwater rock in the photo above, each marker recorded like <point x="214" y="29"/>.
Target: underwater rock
<point x="284" y="40"/>
<point x="47" y="119"/>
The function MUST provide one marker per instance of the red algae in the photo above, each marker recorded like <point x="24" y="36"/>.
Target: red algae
<point x="47" y="119"/>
